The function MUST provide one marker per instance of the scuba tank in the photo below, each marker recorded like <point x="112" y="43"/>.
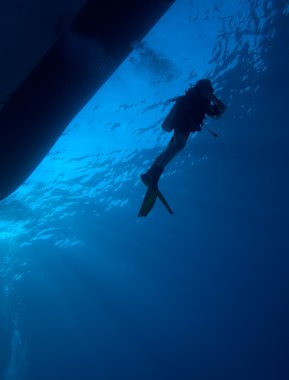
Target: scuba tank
<point x="167" y="124"/>
<point x="181" y="104"/>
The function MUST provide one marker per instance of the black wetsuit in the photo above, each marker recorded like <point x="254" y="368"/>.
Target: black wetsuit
<point x="186" y="117"/>
<point x="190" y="111"/>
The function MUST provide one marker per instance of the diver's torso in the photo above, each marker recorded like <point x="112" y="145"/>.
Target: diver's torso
<point x="190" y="113"/>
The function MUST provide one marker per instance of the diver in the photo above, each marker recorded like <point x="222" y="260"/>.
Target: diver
<point x="186" y="116"/>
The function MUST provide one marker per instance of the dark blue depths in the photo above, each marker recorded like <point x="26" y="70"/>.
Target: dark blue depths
<point x="200" y="295"/>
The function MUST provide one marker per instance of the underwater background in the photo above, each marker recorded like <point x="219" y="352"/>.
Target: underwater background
<point x="90" y="291"/>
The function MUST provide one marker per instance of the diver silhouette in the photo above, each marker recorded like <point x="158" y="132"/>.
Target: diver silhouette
<point x="186" y="116"/>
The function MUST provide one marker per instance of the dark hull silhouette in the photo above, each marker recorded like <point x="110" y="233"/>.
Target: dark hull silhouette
<point x="79" y="62"/>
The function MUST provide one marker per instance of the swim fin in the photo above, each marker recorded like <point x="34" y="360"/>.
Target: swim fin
<point x="164" y="202"/>
<point x="150" y="200"/>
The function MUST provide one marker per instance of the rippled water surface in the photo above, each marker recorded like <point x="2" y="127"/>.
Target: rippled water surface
<point x="88" y="290"/>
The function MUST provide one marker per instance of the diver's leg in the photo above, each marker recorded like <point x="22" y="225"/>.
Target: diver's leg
<point x="176" y="144"/>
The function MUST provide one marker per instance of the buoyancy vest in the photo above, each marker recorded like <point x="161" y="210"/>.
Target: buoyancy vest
<point x="188" y="112"/>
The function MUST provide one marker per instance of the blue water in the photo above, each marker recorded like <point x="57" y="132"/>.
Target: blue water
<point x="90" y="291"/>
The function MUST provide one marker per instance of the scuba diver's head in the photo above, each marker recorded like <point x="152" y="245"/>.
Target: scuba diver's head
<point x="205" y="88"/>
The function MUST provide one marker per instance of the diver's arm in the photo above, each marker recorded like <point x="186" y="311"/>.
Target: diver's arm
<point x="168" y="101"/>
<point x="218" y="102"/>
<point x="217" y="108"/>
